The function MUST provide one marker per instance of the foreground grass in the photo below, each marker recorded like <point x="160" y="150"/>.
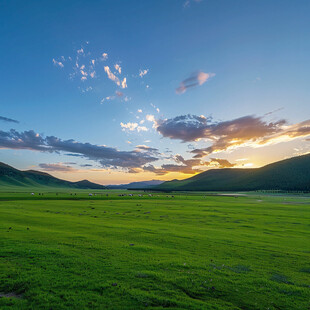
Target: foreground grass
<point x="187" y="252"/>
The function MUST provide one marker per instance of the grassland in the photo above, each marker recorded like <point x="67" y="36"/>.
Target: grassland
<point x="189" y="251"/>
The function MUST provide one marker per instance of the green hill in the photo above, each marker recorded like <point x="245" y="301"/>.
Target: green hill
<point x="13" y="178"/>
<point x="290" y="174"/>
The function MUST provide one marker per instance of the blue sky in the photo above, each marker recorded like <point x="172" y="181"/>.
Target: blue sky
<point x="244" y="58"/>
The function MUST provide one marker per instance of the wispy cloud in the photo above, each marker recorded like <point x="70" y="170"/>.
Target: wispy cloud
<point x="187" y="3"/>
<point x="108" y="98"/>
<point x="58" y="63"/>
<point x="156" y="108"/>
<point x="57" y="167"/>
<point x="143" y="72"/>
<point x="196" y="79"/>
<point x="118" y="68"/>
<point x="80" y="51"/>
<point x="8" y="120"/>
<point x="119" y="93"/>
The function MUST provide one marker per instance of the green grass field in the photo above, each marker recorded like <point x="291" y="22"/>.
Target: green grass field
<point x="188" y="252"/>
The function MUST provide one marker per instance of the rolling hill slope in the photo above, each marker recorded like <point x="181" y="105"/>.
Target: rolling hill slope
<point x="289" y="174"/>
<point x="11" y="177"/>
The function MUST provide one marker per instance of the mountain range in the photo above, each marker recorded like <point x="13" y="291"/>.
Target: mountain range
<point x="291" y="174"/>
<point x="136" y="185"/>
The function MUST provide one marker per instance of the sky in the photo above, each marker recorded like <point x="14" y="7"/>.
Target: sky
<point x="122" y="91"/>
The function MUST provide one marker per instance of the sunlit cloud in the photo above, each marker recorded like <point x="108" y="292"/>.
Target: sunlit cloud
<point x="144" y="72"/>
<point x="124" y="83"/>
<point x="108" y="98"/>
<point x="244" y="131"/>
<point x="118" y="68"/>
<point x="188" y="166"/>
<point x="104" y="56"/>
<point x="132" y="127"/>
<point x="58" y="63"/>
<point x="150" y="118"/>
<point x="196" y="79"/>
<point x="112" y="76"/>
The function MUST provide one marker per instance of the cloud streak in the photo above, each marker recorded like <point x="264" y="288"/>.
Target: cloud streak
<point x="8" y="120"/>
<point x="196" y="79"/>
<point x="57" y="167"/>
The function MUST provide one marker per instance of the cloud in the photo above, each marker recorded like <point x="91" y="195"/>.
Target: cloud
<point x="171" y="168"/>
<point x="119" y="94"/>
<point x="196" y="79"/>
<point x="154" y="106"/>
<point x="86" y="165"/>
<point x="185" y="127"/>
<point x="132" y="127"/>
<point x="144" y="72"/>
<point x="85" y="90"/>
<point x="104" y="56"/>
<point x="58" y="63"/>
<point x="185" y="166"/>
<point x="106" y="156"/>
<point x="187" y="3"/>
<point x="118" y="68"/>
<point x="148" y="149"/>
<point x="108" y="98"/>
<point x="111" y="76"/>
<point x="8" y="120"/>
<point x="150" y="118"/>
<point x="114" y="78"/>
<point x="135" y="170"/>
<point x="244" y="131"/>
<point x="57" y="167"/>
<point x="124" y="83"/>
<point x="80" y="51"/>
<point x="222" y="163"/>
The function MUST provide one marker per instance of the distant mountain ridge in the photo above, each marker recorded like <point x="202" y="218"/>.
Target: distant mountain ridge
<point x="136" y="185"/>
<point x="289" y="174"/>
<point x="11" y="177"/>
